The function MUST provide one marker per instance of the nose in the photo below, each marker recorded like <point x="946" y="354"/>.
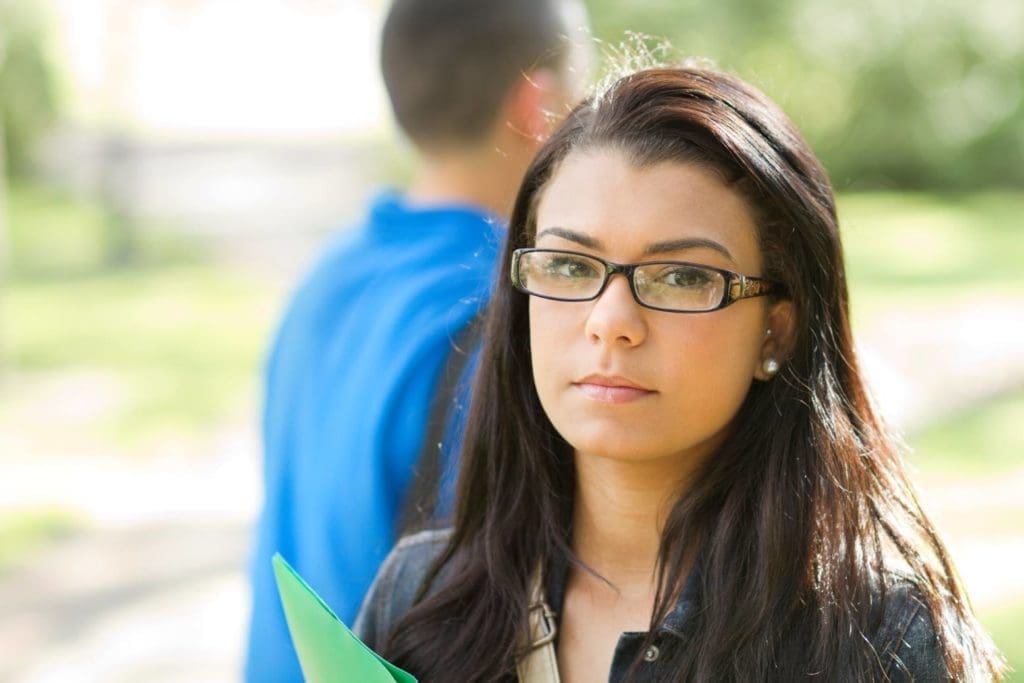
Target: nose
<point x="616" y="317"/>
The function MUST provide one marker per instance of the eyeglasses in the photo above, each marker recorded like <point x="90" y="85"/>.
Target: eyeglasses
<point x="673" y="286"/>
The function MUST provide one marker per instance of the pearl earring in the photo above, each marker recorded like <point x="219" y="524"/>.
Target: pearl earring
<point x="770" y="366"/>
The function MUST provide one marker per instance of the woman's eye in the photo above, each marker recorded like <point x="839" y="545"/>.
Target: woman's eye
<point x="570" y="268"/>
<point x="689" y="278"/>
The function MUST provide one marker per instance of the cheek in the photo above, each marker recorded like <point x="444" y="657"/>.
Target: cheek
<point x="723" y="346"/>
<point x="711" y="360"/>
<point x="549" y="333"/>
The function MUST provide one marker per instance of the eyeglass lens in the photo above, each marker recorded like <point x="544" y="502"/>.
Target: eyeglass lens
<point x="575" y="277"/>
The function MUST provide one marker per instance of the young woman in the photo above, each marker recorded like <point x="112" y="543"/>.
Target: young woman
<point x="673" y="470"/>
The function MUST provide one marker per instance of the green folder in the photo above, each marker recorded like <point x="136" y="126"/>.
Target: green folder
<point x="328" y="651"/>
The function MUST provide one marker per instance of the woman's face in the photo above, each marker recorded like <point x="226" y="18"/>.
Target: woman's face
<point x="621" y="381"/>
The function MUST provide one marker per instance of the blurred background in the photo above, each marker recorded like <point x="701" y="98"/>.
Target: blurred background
<point x="168" y="167"/>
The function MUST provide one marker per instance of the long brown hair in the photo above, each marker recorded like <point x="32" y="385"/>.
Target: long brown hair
<point x="797" y="515"/>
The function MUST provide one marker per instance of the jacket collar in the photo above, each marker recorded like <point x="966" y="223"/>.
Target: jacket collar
<point x="675" y="621"/>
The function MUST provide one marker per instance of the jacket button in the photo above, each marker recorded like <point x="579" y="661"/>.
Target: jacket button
<point x="652" y="653"/>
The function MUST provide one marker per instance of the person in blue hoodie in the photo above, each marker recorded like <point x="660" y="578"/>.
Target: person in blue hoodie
<point x="368" y="368"/>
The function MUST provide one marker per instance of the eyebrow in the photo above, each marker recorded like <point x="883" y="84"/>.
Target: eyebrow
<point x="651" y="249"/>
<point x="687" y="243"/>
<point x="570" y="235"/>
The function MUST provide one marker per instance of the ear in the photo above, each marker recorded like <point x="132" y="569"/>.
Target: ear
<point x="531" y="107"/>
<point x="780" y="329"/>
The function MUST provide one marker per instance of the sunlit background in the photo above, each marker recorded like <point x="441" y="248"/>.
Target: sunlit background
<point x="169" y="167"/>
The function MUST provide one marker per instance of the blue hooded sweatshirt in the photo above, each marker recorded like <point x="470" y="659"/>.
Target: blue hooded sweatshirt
<point x="349" y="384"/>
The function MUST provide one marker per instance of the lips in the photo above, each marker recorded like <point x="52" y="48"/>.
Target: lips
<point x="611" y="389"/>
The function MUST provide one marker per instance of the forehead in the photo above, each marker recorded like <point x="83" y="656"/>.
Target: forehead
<point x="626" y="208"/>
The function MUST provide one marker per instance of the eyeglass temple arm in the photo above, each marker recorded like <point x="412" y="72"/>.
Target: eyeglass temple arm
<point x="743" y="287"/>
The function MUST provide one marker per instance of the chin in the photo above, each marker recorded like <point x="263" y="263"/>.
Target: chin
<point x="620" y="443"/>
<point x="630" y="441"/>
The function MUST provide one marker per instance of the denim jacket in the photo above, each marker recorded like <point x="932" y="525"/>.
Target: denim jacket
<point x="906" y="643"/>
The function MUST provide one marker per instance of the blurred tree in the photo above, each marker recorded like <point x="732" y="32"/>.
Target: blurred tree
<point x="27" y="87"/>
<point x="27" y="102"/>
<point x="4" y="248"/>
<point x="916" y="94"/>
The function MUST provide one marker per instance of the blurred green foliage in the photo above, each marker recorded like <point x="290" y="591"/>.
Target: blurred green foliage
<point x="177" y="336"/>
<point x="906" y="250"/>
<point x="1006" y="624"/>
<point x="53" y="233"/>
<point x="181" y="342"/>
<point x="56" y="235"/>
<point x="28" y="101"/>
<point x="909" y="94"/>
<point x="985" y="439"/>
<point x="23" y="532"/>
<point x="917" y="94"/>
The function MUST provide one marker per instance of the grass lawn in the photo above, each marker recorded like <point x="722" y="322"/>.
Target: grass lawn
<point x="1006" y="625"/>
<point x="182" y="342"/>
<point x="22" y="533"/>
<point x="983" y="440"/>
<point x="966" y="451"/>
<point x="915" y="249"/>
<point x="170" y="344"/>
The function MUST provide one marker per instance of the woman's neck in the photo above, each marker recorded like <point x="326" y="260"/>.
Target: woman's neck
<point x="620" y="511"/>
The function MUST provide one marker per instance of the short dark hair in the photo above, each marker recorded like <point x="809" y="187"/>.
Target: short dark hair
<point x="448" y="64"/>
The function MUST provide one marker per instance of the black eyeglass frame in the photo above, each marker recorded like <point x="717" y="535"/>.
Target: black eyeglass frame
<point x="737" y="286"/>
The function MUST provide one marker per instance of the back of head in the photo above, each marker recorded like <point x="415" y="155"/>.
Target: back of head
<point x="449" y="64"/>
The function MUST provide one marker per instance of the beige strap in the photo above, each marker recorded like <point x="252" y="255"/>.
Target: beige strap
<point x="539" y="664"/>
